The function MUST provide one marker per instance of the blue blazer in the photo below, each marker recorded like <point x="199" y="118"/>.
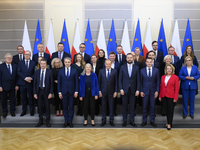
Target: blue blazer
<point x="159" y="57"/>
<point x="23" y="72"/>
<point x="46" y="56"/>
<point x="67" y="85"/>
<point x="123" y="59"/>
<point x="48" y="82"/>
<point x="107" y="86"/>
<point x="133" y="81"/>
<point x="156" y="65"/>
<point x="117" y="66"/>
<point x="55" y="55"/>
<point x="195" y="62"/>
<point x="176" y="59"/>
<point x="94" y="85"/>
<point x="185" y="82"/>
<point x="152" y="84"/>
<point x="8" y="81"/>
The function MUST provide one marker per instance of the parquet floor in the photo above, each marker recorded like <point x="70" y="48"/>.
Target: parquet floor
<point x="63" y="139"/>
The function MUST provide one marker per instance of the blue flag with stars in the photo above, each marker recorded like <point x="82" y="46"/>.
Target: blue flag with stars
<point x="162" y="46"/>
<point x="88" y="41"/>
<point x="38" y="38"/>
<point x="188" y="38"/>
<point x="137" y="42"/>
<point x="112" y="43"/>
<point x="64" y="39"/>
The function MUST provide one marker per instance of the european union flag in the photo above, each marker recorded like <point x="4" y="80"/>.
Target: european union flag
<point x="88" y="41"/>
<point x="38" y="38"/>
<point x="188" y="38"/>
<point x="64" y="39"/>
<point x="137" y="42"/>
<point x="112" y="43"/>
<point x="162" y="46"/>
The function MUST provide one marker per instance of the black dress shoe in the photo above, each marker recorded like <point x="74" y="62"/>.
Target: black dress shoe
<point x="184" y="116"/>
<point x="153" y="124"/>
<point x="71" y="125"/>
<point x="32" y="113"/>
<point x="103" y="123"/>
<point x="133" y="124"/>
<point x="4" y="115"/>
<point x="115" y="114"/>
<point x="93" y="124"/>
<point x="13" y="114"/>
<point x="124" y="124"/>
<point x="144" y="124"/>
<point x="39" y="124"/>
<point x="23" y="113"/>
<point x="192" y="116"/>
<point x="112" y="123"/>
<point x="65" y="125"/>
<point x="48" y="124"/>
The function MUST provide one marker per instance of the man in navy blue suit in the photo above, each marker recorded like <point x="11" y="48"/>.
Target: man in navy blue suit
<point x="67" y="90"/>
<point x="25" y="72"/>
<point x="121" y="58"/>
<point x="108" y="90"/>
<point x="8" y="84"/>
<point x="43" y="89"/>
<point x="129" y="86"/>
<point x="86" y="57"/>
<point x="151" y="54"/>
<point x="150" y="84"/>
<point x="41" y="53"/>
<point x="175" y="59"/>
<point x="60" y="53"/>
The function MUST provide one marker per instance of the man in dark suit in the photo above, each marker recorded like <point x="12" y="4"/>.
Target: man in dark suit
<point x="150" y="85"/>
<point x="16" y="59"/>
<point x="121" y="58"/>
<point x="60" y="53"/>
<point x="67" y="90"/>
<point x="43" y="89"/>
<point x="175" y="59"/>
<point x="86" y="57"/>
<point x="41" y="53"/>
<point x="108" y="90"/>
<point x="8" y="84"/>
<point x="129" y="85"/>
<point x="151" y="54"/>
<point x="25" y="72"/>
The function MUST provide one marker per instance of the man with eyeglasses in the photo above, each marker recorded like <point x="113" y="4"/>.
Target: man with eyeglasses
<point x="82" y="52"/>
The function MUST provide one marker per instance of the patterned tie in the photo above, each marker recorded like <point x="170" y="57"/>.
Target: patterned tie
<point x="67" y="73"/>
<point x="108" y="75"/>
<point x="172" y="59"/>
<point x="60" y="55"/>
<point x="149" y="73"/>
<point x="9" y="69"/>
<point x="42" y="78"/>
<point x="130" y="71"/>
<point x="27" y="64"/>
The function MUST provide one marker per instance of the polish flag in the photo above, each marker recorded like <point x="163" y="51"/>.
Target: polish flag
<point x="125" y="43"/>
<point x="50" y="48"/>
<point x="176" y="41"/>
<point x="148" y="41"/>
<point x="26" y="40"/>
<point x="101" y="42"/>
<point x="76" y="43"/>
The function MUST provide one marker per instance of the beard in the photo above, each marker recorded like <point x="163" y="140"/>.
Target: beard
<point x="129" y="62"/>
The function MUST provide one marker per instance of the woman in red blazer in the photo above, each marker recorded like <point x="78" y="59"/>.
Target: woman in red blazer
<point x="169" y="90"/>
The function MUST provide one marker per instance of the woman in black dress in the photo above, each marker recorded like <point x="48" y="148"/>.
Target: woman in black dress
<point x="79" y="65"/>
<point x="100" y="61"/>
<point x="56" y="65"/>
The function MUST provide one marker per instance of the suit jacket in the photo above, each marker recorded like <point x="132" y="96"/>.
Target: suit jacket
<point x="133" y="81"/>
<point x="176" y="59"/>
<point x="172" y="88"/>
<point x="55" y="55"/>
<point x="140" y="60"/>
<point x="159" y="57"/>
<point x="107" y="86"/>
<point x="117" y="66"/>
<point x="195" y="62"/>
<point x="23" y="72"/>
<point x="67" y="85"/>
<point x="16" y="59"/>
<point x="8" y="81"/>
<point x="48" y="82"/>
<point x="152" y="84"/>
<point x="46" y="56"/>
<point x="137" y="64"/>
<point x="156" y="65"/>
<point x="94" y="85"/>
<point x="123" y="59"/>
<point x="185" y="82"/>
<point x="87" y="58"/>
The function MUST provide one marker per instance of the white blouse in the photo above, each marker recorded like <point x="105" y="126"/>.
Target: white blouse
<point x="189" y="72"/>
<point x="167" y="79"/>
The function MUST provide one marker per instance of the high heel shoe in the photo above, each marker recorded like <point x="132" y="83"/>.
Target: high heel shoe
<point x="168" y="128"/>
<point x="85" y="124"/>
<point x="57" y="114"/>
<point x="93" y="124"/>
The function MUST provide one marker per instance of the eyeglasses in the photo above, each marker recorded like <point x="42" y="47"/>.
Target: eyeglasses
<point x="82" y="47"/>
<point x="57" y="62"/>
<point x="27" y="54"/>
<point x="155" y="45"/>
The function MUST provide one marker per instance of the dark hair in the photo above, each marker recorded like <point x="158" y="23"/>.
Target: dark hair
<point x="151" y="51"/>
<point x="119" y="46"/>
<point x="111" y="53"/>
<point x="148" y="58"/>
<point x="129" y="54"/>
<point x="43" y="59"/>
<point x="82" y="44"/>
<point x="20" y="46"/>
<point x="102" y="51"/>
<point x="170" y="47"/>
<point x="94" y="55"/>
<point x="61" y="43"/>
<point x="185" y="52"/>
<point x="154" y="42"/>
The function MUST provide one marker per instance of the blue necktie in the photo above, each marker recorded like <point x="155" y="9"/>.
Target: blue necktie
<point x="108" y="75"/>
<point x="42" y="78"/>
<point x="27" y="64"/>
<point x="9" y="69"/>
<point x="67" y="73"/>
<point x="120" y="59"/>
<point x="130" y="71"/>
<point x="149" y="73"/>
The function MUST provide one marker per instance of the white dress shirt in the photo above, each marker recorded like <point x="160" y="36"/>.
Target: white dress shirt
<point x="21" y="56"/>
<point x="39" y="54"/>
<point x="156" y="54"/>
<point x="82" y="54"/>
<point x="189" y="72"/>
<point x="66" y="71"/>
<point x="148" y="71"/>
<point x="10" y="67"/>
<point x="107" y="72"/>
<point x="94" y="69"/>
<point x="113" y="65"/>
<point x="43" y="84"/>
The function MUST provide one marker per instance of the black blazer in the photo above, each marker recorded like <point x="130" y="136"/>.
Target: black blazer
<point x="16" y="59"/>
<point x="137" y="64"/>
<point x="55" y="55"/>
<point x="156" y="65"/>
<point x="87" y="58"/>
<point x="159" y="57"/>
<point x="123" y="59"/>
<point x="48" y="82"/>
<point x="107" y="86"/>
<point x="46" y="56"/>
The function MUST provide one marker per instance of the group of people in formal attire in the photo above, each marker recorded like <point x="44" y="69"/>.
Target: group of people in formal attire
<point x="89" y="81"/>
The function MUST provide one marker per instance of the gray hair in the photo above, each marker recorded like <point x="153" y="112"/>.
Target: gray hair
<point x="67" y="58"/>
<point x="88" y="64"/>
<point x="7" y="55"/>
<point x="167" y="56"/>
<point x="40" y="44"/>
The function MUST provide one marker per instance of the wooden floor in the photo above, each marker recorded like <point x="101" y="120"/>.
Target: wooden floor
<point x="58" y="139"/>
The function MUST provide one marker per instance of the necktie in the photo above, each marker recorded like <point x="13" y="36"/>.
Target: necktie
<point x="40" y="55"/>
<point x="172" y="59"/>
<point x="9" y="69"/>
<point x="42" y="78"/>
<point x="60" y="55"/>
<point x="108" y="75"/>
<point x="67" y="73"/>
<point x="130" y="71"/>
<point x="20" y="57"/>
<point x="149" y="73"/>
<point x="27" y="64"/>
<point x="133" y="62"/>
<point x="120" y="59"/>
